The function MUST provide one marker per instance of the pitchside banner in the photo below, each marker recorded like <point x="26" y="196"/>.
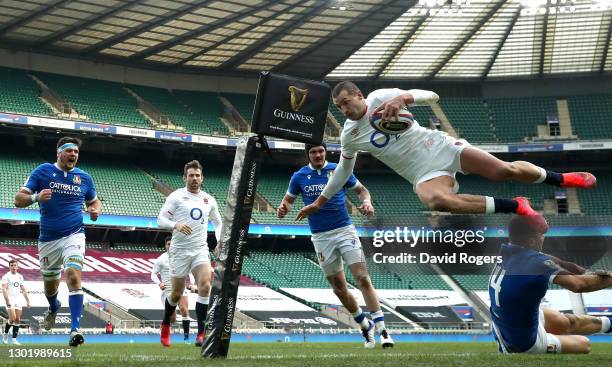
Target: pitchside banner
<point x="290" y="108"/>
<point x="237" y="216"/>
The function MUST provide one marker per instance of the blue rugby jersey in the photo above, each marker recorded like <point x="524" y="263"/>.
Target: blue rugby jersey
<point x="310" y="183"/>
<point x="62" y="214"/>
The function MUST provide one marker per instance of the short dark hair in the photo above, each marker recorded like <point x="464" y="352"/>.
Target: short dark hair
<point x="346" y="85"/>
<point x="193" y="164"/>
<point x="169" y="238"/>
<point x="13" y="261"/>
<point x="310" y="146"/>
<point x="523" y="229"/>
<point x="69" y="139"/>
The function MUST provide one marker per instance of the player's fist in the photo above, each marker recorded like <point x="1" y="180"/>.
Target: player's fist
<point x="44" y="195"/>
<point x="366" y="208"/>
<point x="183" y="228"/>
<point x="282" y="210"/>
<point x="162" y="285"/>
<point x="93" y="213"/>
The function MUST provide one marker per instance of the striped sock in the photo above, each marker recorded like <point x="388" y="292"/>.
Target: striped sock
<point x="379" y="320"/>
<point x="361" y="319"/>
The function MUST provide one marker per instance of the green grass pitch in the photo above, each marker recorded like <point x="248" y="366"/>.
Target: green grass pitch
<point x="315" y="354"/>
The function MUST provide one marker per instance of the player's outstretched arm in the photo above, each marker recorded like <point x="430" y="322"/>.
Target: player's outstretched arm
<point x="341" y="175"/>
<point x="568" y="265"/>
<point x="285" y="206"/>
<point x="580" y="283"/>
<point x="412" y="97"/>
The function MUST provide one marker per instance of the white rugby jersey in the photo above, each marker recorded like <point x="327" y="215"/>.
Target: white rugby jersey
<point x="195" y="210"/>
<point x="407" y="153"/>
<point x="15" y="282"/>
<point x="162" y="266"/>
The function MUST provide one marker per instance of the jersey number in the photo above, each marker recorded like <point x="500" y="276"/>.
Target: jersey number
<point x="196" y="214"/>
<point x="495" y="282"/>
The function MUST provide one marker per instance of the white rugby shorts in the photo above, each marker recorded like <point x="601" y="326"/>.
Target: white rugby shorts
<point x="64" y="252"/>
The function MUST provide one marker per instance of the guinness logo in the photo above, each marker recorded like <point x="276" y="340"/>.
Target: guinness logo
<point x="298" y="97"/>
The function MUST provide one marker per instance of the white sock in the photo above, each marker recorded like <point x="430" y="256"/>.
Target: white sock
<point x="202" y="300"/>
<point x="379" y="320"/>
<point x="361" y="318"/>
<point x="542" y="176"/>
<point x="489" y="205"/>
<point x="605" y="324"/>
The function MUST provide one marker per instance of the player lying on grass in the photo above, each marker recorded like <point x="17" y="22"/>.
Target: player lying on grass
<point x="519" y="283"/>
<point x="335" y="240"/>
<point x="429" y="159"/>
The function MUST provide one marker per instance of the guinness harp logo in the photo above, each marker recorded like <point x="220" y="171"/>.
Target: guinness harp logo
<point x="298" y="97"/>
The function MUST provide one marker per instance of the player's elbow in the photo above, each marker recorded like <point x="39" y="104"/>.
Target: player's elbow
<point x="577" y="285"/>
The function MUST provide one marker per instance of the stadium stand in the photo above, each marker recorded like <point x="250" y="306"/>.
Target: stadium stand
<point x="14" y="168"/>
<point x="244" y="103"/>
<point x="470" y="118"/>
<point x="590" y="115"/>
<point x="517" y="118"/>
<point x="99" y="100"/>
<point x="181" y="114"/>
<point x="19" y="94"/>
<point x="123" y="188"/>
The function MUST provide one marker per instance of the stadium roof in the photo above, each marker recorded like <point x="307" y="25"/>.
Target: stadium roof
<point x="336" y="39"/>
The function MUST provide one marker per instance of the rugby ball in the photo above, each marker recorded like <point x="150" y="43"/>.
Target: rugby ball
<point x="392" y="126"/>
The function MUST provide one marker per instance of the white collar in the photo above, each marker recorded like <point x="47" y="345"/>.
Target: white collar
<point x="324" y="165"/>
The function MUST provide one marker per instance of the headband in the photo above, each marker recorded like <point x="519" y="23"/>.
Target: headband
<point x="66" y="146"/>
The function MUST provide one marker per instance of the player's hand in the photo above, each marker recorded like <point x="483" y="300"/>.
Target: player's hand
<point x="93" y="213"/>
<point x="366" y="208"/>
<point x="162" y="285"/>
<point x="183" y="228"/>
<point x="218" y="250"/>
<point x="193" y="289"/>
<point x="44" y="195"/>
<point x="282" y="210"/>
<point x="306" y="211"/>
<point x="603" y="273"/>
<point x="390" y="109"/>
<point x="28" y="305"/>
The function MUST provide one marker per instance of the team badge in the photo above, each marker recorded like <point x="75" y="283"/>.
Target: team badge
<point x="308" y="177"/>
<point x="355" y="131"/>
<point x="205" y="200"/>
<point x="76" y="179"/>
<point x="329" y="174"/>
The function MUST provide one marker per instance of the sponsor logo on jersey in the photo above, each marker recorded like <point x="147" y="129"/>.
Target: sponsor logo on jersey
<point x="76" y="179"/>
<point x="551" y="348"/>
<point x="354" y="132"/>
<point x="64" y="187"/>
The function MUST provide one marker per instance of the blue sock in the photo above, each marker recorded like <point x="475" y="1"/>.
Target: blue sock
<point x="54" y="304"/>
<point x="75" y="300"/>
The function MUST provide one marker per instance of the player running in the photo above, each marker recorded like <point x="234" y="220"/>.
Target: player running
<point x="12" y="288"/>
<point x="519" y="283"/>
<point x="60" y="190"/>
<point x="162" y="266"/>
<point x="335" y="239"/>
<point x="429" y="159"/>
<point x="187" y="211"/>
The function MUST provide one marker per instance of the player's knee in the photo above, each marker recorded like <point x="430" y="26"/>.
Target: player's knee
<point x="584" y="344"/>
<point x="363" y="282"/>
